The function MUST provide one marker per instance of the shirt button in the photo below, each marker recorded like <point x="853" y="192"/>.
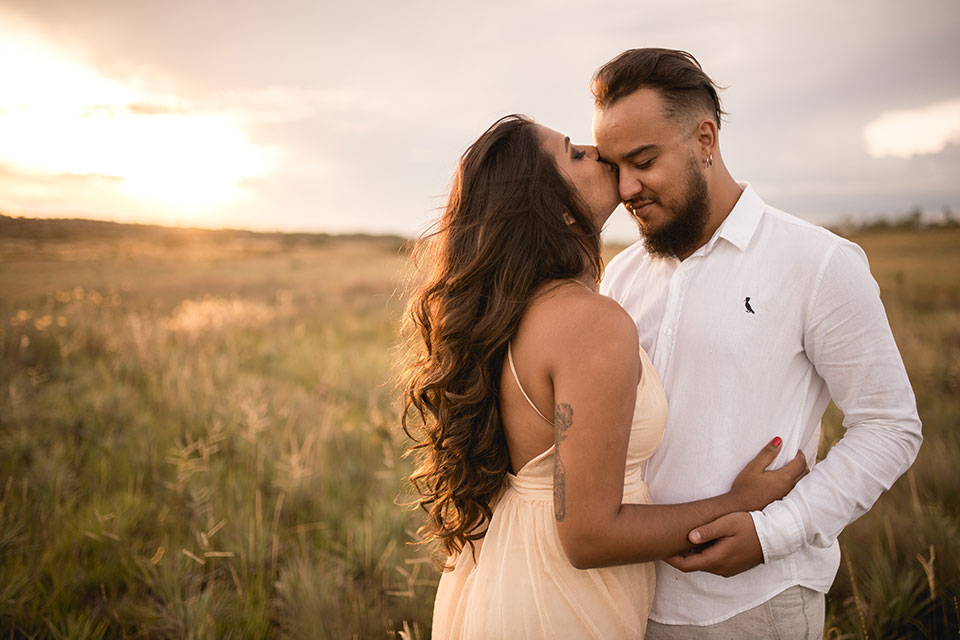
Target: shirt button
<point x="667" y="331"/>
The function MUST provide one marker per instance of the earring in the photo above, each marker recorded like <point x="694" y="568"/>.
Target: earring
<point x="709" y="161"/>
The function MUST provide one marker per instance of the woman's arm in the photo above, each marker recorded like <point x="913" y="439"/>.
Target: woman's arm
<point x="595" y="376"/>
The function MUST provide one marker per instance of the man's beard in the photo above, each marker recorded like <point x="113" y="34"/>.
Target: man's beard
<point x="682" y="234"/>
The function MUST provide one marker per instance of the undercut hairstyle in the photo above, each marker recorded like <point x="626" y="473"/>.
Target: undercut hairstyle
<point x="687" y="91"/>
<point x="501" y="237"/>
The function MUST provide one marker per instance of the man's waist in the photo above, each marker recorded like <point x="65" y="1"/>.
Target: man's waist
<point x="700" y="598"/>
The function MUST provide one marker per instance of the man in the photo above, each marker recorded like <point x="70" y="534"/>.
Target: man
<point x="754" y="320"/>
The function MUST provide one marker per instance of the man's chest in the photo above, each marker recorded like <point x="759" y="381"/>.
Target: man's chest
<point x="717" y="310"/>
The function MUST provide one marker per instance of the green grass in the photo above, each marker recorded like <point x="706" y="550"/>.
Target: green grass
<point x="198" y="439"/>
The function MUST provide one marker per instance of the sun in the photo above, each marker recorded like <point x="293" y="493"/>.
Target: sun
<point x="59" y="117"/>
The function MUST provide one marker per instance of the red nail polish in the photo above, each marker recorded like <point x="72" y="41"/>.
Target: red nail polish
<point x="776" y="441"/>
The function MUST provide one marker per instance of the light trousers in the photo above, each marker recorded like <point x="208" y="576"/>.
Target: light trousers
<point x="795" y="614"/>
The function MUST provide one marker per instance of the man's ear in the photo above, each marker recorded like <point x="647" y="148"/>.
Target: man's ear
<point x="705" y="137"/>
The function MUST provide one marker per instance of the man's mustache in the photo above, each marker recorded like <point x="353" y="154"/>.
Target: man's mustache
<point x="638" y="201"/>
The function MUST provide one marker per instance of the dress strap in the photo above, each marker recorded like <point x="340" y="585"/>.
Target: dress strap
<point x="513" y="370"/>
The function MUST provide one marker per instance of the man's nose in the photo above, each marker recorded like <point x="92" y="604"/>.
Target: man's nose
<point x="592" y="152"/>
<point x="629" y="186"/>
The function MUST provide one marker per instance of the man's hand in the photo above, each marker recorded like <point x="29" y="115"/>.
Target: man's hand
<point x="732" y="547"/>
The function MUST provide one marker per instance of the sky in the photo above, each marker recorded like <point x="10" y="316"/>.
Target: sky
<point x="301" y="115"/>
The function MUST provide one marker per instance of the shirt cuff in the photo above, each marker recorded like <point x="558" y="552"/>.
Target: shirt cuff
<point x="779" y="529"/>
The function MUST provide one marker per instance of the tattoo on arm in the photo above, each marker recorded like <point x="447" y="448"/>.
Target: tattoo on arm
<point x="563" y="420"/>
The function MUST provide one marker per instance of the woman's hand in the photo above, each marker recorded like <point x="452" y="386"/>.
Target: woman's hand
<point x="755" y="488"/>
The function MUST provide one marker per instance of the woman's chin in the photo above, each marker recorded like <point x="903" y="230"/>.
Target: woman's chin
<point x="601" y="212"/>
<point x="603" y="217"/>
<point x="609" y="211"/>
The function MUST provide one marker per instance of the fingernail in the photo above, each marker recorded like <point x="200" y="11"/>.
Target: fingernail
<point x="776" y="441"/>
<point x="695" y="537"/>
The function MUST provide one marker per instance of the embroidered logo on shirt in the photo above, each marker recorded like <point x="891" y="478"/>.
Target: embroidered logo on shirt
<point x="746" y="303"/>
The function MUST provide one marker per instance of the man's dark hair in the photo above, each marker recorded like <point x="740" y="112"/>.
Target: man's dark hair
<point x="686" y="90"/>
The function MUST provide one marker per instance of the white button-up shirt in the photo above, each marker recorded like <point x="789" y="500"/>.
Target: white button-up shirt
<point x="752" y="336"/>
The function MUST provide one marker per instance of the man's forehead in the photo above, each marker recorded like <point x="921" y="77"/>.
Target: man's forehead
<point x="632" y="121"/>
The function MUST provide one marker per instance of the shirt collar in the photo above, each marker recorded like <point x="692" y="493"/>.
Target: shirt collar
<point x="742" y="221"/>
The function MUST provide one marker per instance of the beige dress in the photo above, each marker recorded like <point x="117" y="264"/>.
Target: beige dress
<point x="522" y="585"/>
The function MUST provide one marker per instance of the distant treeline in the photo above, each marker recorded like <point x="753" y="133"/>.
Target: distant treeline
<point x="72" y="229"/>
<point x="79" y="229"/>
<point x="915" y="219"/>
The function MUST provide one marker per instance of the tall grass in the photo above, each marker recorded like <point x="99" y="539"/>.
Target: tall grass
<point x="198" y="440"/>
<point x="201" y="443"/>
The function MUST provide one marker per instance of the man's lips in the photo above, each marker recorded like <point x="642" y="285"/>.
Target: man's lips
<point x="639" y="208"/>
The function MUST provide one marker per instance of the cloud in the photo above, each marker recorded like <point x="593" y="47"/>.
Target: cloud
<point x="284" y="103"/>
<point x="914" y="132"/>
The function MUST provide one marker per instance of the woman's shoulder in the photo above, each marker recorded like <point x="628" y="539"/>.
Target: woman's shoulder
<point x="581" y="320"/>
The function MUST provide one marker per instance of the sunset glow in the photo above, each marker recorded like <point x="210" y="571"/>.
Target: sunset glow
<point x="61" y="117"/>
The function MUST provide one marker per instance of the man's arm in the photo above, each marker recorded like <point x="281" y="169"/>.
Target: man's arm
<point x="848" y="340"/>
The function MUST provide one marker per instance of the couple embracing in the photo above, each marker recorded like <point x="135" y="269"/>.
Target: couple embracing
<point x="568" y="500"/>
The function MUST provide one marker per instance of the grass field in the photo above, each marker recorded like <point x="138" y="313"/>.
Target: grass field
<point x="198" y="439"/>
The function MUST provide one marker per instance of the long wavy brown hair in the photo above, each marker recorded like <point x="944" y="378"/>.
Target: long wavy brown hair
<point x="501" y="237"/>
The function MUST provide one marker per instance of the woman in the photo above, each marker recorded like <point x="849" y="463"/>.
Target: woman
<point x="538" y="407"/>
